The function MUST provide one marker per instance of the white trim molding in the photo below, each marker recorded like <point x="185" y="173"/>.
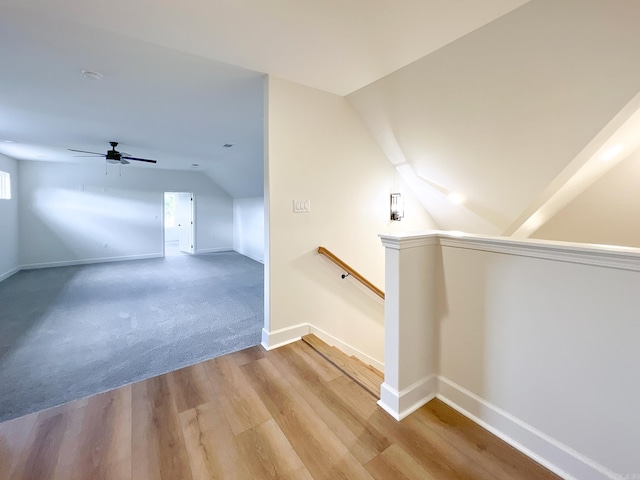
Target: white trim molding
<point x="623" y="258"/>
<point x="611" y="256"/>
<point x="547" y="451"/>
<point x="11" y="272"/>
<point x="213" y="250"/>
<point x="346" y="348"/>
<point x="410" y="240"/>
<point x="283" y="336"/>
<point x="252" y="257"/>
<point x="402" y="404"/>
<point x="89" y="261"/>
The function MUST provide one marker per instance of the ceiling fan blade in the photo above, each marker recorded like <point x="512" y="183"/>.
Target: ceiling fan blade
<point x="140" y="159"/>
<point x="87" y="156"/>
<point x="124" y="162"/>
<point x="84" y="151"/>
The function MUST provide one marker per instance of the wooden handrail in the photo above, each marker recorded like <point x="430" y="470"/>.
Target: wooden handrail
<point x="351" y="271"/>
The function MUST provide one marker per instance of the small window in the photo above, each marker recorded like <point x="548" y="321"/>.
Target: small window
<point x="5" y="186"/>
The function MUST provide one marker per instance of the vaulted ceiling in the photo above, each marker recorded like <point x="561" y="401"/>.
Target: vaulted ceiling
<point x="181" y="80"/>
<point x="498" y="113"/>
<point x="501" y="128"/>
<point x="159" y="103"/>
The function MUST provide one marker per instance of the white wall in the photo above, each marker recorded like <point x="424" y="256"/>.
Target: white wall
<point x="605" y="213"/>
<point x="248" y="227"/>
<point x="318" y="150"/>
<point x="75" y="213"/>
<point x="9" y="252"/>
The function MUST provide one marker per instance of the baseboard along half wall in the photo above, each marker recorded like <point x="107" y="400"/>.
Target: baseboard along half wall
<point x="401" y="404"/>
<point x="554" y="455"/>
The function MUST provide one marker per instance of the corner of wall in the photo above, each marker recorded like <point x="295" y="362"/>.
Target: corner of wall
<point x="284" y="336"/>
<point x="9" y="222"/>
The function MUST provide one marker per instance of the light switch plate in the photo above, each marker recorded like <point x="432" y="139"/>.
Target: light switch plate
<point x="301" y="206"/>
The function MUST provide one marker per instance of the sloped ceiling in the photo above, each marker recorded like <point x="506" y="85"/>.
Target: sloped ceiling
<point x="180" y="80"/>
<point x="496" y="116"/>
<point x="505" y="103"/>
<point x="605" y="213"/>
<point x="336" y="46"/>
<point x="159" y="103"/>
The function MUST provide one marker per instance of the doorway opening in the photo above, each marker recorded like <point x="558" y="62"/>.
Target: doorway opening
<point x="179" y="223"/>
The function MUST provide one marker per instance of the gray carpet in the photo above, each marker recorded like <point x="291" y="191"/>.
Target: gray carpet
<point x="70" y="332"/>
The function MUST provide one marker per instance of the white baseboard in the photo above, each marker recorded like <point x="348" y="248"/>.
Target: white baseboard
<point x="252" y="257"/>
<point x="88" y="261"/>
<point x="401" y="404"/>
<point x="345" y="348"/>
<point x="545" y="450"/>
<point x="6" y="275"/>
<point x="213" y="250"/>
<point x="283" y="336"/>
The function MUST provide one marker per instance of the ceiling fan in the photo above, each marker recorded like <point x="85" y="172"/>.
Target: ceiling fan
<point x="114" y="156"/>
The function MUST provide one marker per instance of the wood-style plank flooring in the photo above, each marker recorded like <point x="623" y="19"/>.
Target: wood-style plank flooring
<point x="283" y="414"/>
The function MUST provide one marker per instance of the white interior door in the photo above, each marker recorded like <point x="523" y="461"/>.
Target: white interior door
<point x="184" y="212"/>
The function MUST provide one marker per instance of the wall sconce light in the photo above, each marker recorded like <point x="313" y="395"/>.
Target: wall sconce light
<point x="397" y="207"/>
